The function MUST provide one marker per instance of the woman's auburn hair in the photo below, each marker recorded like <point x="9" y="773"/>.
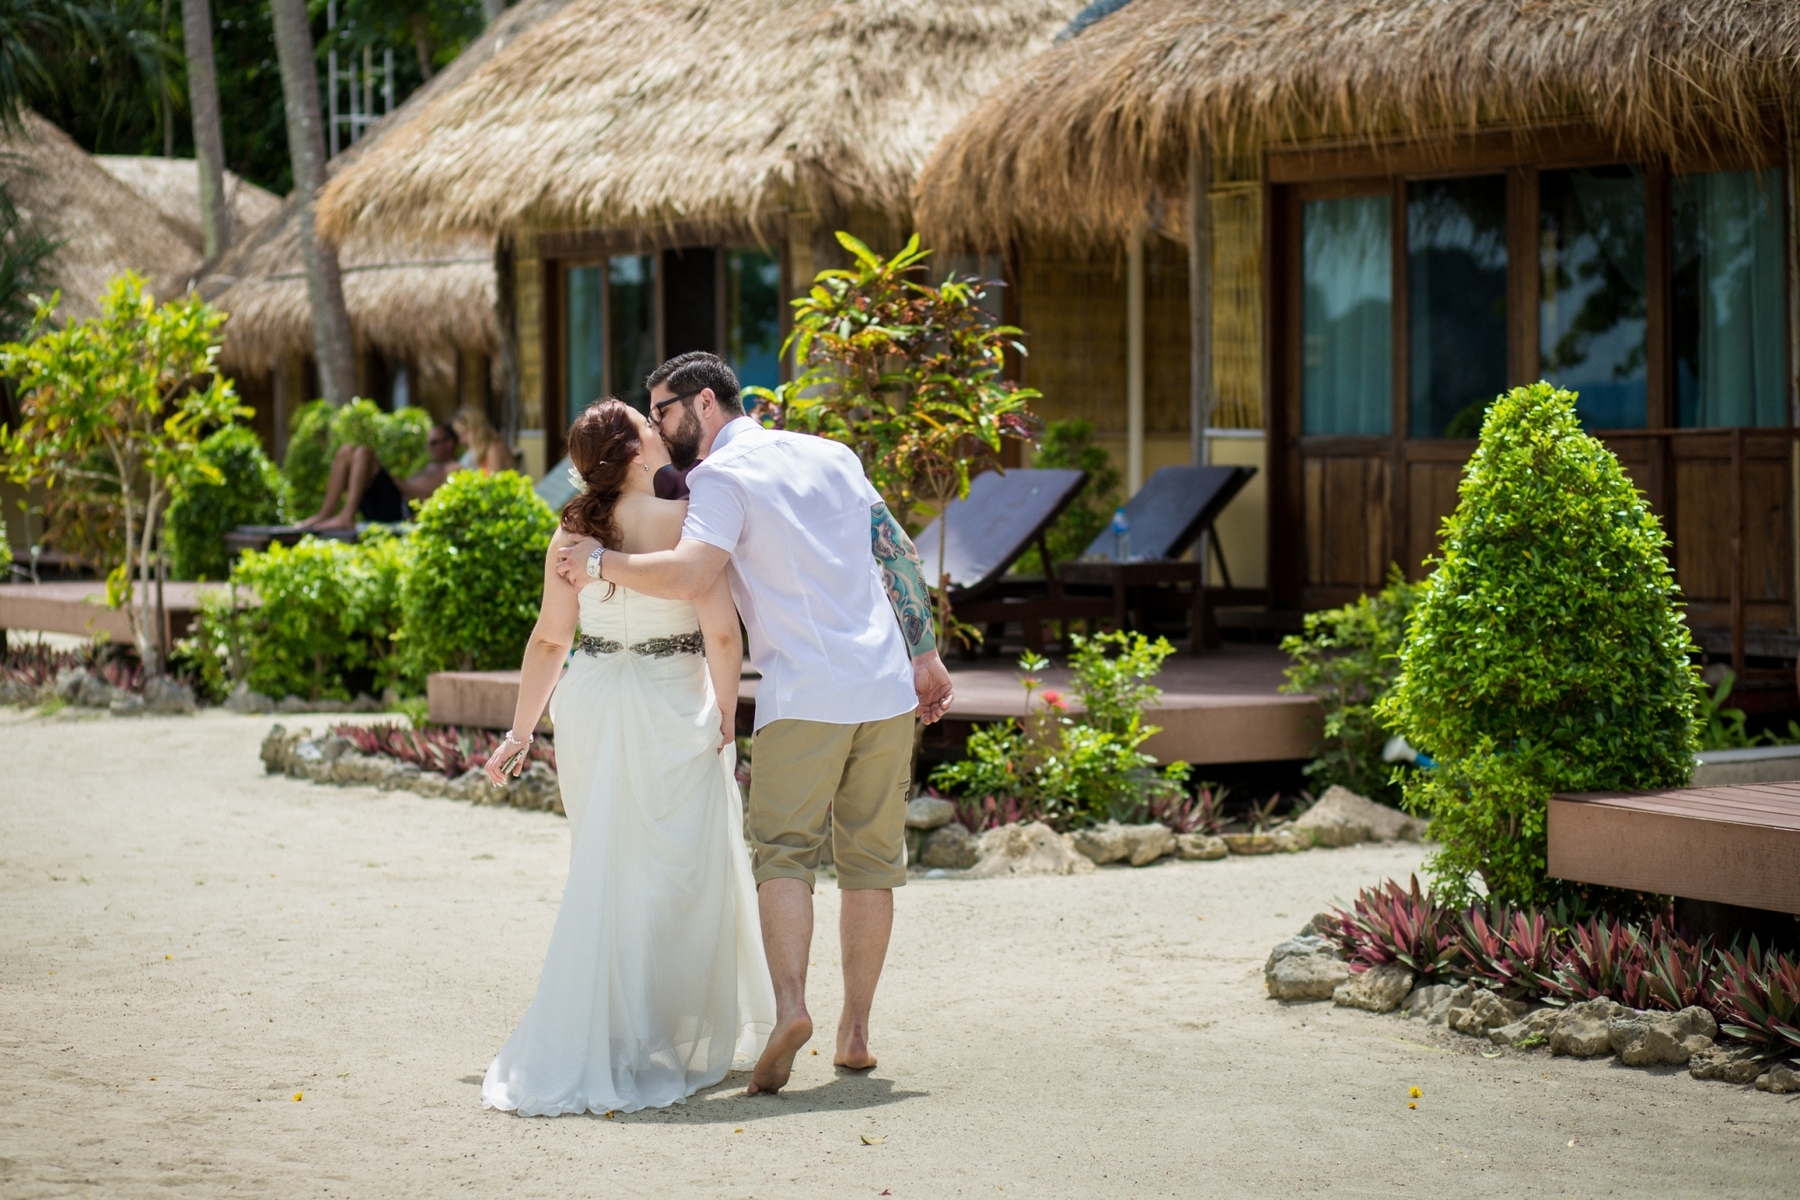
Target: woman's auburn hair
<point x="602" y="442"/>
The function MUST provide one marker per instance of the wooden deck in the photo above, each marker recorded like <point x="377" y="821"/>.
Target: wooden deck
<point x="80" y="609"/>
<point x="1224" y="707"/>
<point x="1731" y="845"/>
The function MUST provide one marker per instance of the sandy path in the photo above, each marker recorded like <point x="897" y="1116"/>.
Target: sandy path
<point x="170" y="912"/>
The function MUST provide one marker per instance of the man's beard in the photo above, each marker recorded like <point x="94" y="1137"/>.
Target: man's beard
<point x="684" y="443"/>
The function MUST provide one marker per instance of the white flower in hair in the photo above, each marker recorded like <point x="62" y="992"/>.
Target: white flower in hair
<point x="577" y="482"/>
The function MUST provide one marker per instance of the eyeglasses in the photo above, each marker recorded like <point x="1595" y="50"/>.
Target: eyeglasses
<point x="657" y="410"/>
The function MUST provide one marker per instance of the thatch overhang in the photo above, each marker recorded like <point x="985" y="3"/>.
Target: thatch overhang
<point x="105" y="227"/>
<point x="654" y="116"/>
<point x="1099" y="131"/>
<point x="172" y="185"/>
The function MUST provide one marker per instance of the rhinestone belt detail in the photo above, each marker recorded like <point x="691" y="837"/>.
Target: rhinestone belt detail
<point x="662" y="647"/>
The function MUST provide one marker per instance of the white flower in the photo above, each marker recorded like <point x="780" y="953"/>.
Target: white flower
<point x="577" y="482"/>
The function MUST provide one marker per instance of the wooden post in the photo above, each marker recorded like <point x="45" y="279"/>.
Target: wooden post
<point x="1134" y="361"/>
<point x="1200" y="392"/>
<point x="1737" y="551"/>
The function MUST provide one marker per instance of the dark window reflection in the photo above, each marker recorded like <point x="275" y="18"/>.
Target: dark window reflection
<point x="1456" y="302"/>
<point x="753" y="315"/>
<point x="631" y="326"/>
<point x="1591" y="312"/>
<point x="1730" y="305"/>
<point x="585" y="369"/>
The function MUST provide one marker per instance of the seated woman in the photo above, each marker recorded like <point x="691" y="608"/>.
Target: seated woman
<point x="359" y="484"/>
<point x="486" y="451"/>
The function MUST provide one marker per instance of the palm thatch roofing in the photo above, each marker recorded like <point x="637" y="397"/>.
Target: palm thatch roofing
<point x="412" y="300"/>
<point x="104" y="227"/>
<point x="173" y="186"/>
<point x="636" y="114"/>
<point x="1103" y="125"/>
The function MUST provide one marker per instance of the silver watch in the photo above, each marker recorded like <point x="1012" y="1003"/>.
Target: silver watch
<point x="593" y="566"/>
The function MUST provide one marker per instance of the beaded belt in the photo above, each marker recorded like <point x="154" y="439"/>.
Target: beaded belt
<point x="662" y="647"/>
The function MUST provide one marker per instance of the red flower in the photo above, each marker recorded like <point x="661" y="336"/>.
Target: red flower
<point x="1055" y="700"/>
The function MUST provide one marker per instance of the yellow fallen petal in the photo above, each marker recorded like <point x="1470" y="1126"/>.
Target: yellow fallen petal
<point x="1412" y="1104"/>
<point x="872" y="1141"/>
<point x="1415" y="1093"/>
<point x="739" y="1129"/>
<point x="299" y="1095"/>
<point x="167" y="957"/>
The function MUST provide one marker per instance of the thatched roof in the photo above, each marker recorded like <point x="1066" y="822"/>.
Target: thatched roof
<point x="409" y="299"/>
<point x="643" y="113"/>
<point x="173" y="186"/>
<point x="105" y="227"/>
<point x="1092" y="131"/>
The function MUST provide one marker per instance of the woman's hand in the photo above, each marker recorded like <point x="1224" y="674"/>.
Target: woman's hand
<point x="727" y="729"/>
<point x="507" y="753"/>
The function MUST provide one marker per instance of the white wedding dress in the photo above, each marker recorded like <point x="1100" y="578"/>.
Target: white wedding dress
<point x="655" y="984"/>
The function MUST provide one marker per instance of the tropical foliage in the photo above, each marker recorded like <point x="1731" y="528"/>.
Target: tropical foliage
<point x="247" y="490"/>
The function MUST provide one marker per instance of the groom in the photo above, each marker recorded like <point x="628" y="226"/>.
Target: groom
<point x="820" y="570"/>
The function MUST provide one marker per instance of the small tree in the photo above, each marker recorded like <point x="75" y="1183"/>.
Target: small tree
<point x="1547" y="653"/>
<point x="112" y="410"/>
<point x="906" y="374"/>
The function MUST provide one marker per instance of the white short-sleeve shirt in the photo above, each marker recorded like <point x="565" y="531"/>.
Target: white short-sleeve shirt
<point x="792" y="510"/>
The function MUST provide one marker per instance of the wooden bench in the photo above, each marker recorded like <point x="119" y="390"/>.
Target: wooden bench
<point x="1737" y="844"/>
<point x="80" y="609"/>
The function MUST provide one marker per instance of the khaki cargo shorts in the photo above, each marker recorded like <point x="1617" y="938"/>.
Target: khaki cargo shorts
<point x="807" y="774"/>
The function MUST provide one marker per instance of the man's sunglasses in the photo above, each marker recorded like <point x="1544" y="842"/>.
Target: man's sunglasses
<point x="657" y="410"/>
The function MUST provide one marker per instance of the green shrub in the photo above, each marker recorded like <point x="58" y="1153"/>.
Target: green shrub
<point x="1348" y="658"/>
<point x="1081" y="771"/>
<point x="247" y="492"/>
<point x="317" y="431"/>
<point x="1071" y="444"/>
<point x="475" y="575"/>
<point x="1547" y="653"/>
<point x="325" y="620"/>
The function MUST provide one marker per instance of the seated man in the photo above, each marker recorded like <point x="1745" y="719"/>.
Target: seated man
<point x="360" y="484"/>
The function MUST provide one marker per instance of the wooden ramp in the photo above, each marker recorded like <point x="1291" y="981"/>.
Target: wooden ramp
<point x="1731" y="845"/>
<point x="80" y="609"/>
<point x="1224" y="708"/>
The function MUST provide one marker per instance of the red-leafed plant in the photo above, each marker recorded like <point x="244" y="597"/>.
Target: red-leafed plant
<point x="1392" y="924"/>
<point x="1682" y="974"/>
<point x="1605" y="957"/>
<point x="1511" y="951"/>
<point x="445" y="749"/>
<point x="991" y="813"/>
<point x="1759" y="994"/>
<point x="35" y="663"/>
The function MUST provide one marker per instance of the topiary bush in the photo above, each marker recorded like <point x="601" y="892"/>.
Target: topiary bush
<point x="247" y="492"/>
<point x="324" y="623"/>
<point x="475" y="574"/>
<point x="1547" y="653"/>
<point x="317" y="431"/>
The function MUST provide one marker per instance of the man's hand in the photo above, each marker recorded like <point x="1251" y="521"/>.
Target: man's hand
<point x="571" y="562"/>
<point x="931" y="683"/>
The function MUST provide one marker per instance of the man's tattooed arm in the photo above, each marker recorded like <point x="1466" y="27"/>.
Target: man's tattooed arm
<point x="903" y="575"/>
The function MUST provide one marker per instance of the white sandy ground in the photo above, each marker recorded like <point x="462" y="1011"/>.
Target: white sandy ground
<point x="188" y="943"/>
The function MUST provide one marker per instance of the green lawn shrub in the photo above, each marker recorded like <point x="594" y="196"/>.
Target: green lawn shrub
<point x="317" y="430"/>
<point x="1348" y="658"/>
<point x="475" y="575"/>
<point x="322" y="627"/>
<point x="247" y="492"/>
<point x="1547" y="653"/>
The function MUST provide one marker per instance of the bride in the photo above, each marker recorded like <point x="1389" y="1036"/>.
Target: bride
<point x="655" y="984"/>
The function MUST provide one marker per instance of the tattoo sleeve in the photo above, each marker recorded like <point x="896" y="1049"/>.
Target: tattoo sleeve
<point x="903" y="575"/>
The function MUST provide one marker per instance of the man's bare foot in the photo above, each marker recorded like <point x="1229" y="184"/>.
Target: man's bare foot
<point x="853" y="1052"/>
<point x="341" y="521"/>
<point x="777" y="1061"/>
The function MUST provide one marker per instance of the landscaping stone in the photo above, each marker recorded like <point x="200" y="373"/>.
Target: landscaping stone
<point x="94" y="692"/>
<point x="929" y="812"/>
<point x="1660" y="1039"/>
<point x="1378" y="989"/>
<point x="1433" y="1002"/>
<point x="1779" y="1079"/>
<point x="1343" y="818"/>
<point x="951" y="847"/>
<point x="1581" y="1031"/>
<point x="243" y="700"/>
<point x="15" y="692"/>
<point x="1250" y="843"/>
<point x="473" y="786"/>
<point x="1484" y="1011"/>
<point x="1137" y="844"/>
<point x="1536" y="1024"/>
<point x="1732" y="1064"/>
<point x="1304" y="968"/>
<point x="68" y="683"/>
<point x="278" y="748"/>
<point x="124" y="704"/>
<point x="537" y="788"/>
<point x="163" y="694"/>
<point x="1200" y="846"/>
<point x="1033" y="849"/>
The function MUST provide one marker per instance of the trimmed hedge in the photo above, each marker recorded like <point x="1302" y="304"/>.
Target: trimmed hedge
<point x="248" y="492"/>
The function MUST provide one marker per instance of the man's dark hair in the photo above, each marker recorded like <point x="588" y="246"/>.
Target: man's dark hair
<point x="695" y="370"/>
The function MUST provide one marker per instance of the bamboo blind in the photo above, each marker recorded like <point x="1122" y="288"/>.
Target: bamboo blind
<point x="1237" y="316"/>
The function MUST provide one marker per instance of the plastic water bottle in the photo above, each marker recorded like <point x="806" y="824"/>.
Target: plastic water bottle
<point x="1121" y="531"/>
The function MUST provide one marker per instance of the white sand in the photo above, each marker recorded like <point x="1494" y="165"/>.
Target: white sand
<point x="188" y="943"/>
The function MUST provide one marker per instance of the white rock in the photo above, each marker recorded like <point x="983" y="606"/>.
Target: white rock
<point x="1484" y="1012"/>
<point x="1343" y="818"/>
<point x="1433" y="1002"/>
<point x="1137" y="844"/>
<point x="950" y="848"/>
<point x="243" y="700"/>
<point x="1199" y="846"/>
<point x="1779" y="1079"/>
<point x="929" y="812"/>
<point x="1581" y="1031"/>
<point x="163" y="694"/>
<point x="1033" y="849"/>
<point x="1378" y="989"/>
<point x="1661" y="1039"/>
<point x="1304" y="968"/>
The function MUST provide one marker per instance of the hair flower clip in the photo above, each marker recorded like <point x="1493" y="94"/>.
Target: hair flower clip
<point x="577" y="482"/>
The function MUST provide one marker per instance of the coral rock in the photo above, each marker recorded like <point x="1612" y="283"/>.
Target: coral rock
<point x="1433" y="1003"/>
<point x="1199" y="846"/>
<point x="1737" y="1064"/>
<point x="1484" y="1011"/>
<point x="1137" y="844"/>
<point x="165" y="695"/>
<point x="1659" y="1039"/>
<point x="1304" y="968"/>
<point x="1779" y="1079"/>
<point x="1581" y="1031"/>
<point x="929" y="812"/>
<point x="1536" y="1024"/>
<point x="1033" y="849"/>
<point x="1343" y="818"/>
<point x="1378" y="989"/>
<point x="952" y="848"/>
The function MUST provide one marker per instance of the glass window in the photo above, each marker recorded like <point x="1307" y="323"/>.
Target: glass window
<point x="1456" y="302"/>
<point x="585" y="370"/>
<point x="1347" y="270"/>
<point x="753" y="315"/>
<point x="631" y="326"/>
<point x="1730" y="352"/>
<point x="1591" y="313"/>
